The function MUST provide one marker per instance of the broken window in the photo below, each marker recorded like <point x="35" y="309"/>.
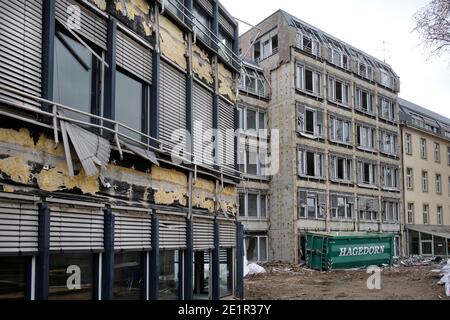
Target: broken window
<point x="338" y="91"/>
<point x="365" y="137"/>
<point x="257" y="51"/>
<point x="308" y="80"/>
<point x="341" y="168"/>
<point x="340" y="129"/>
<point x="365" y="71"/>
<point x="388" y="142"/>
<point x="367" y="173"/>
<point x="368" y="209"/>
<point x="256" y="248"/>
<point x="311" y="204"/>
<point x="342" y="207"/>
<point x="308" y="44"/>
<point x="309" y="121"/>
<point x="266" y="46"/>
<point x="310" y="164"/>
<point x="390" y="175"/>
<point x="364" y="101"/>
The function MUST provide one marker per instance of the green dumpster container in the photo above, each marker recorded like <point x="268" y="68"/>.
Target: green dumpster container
<point x="326" y="251"/>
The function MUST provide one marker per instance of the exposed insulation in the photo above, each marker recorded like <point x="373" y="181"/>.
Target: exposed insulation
<point x="16" y="168"/>
<point x="164" y="197"/>
<point x="171" y="186"/>
<point x="173" y="45"/>
<point x="204" y="194"/>
<point x="201" y="65"/>
<point x="135" y="10"/>
<point x="227" y="200"/>
<point x="226" y="83"/>
<point x="101" y="4"/>
<point x="8" y="189"/>
<point x="58" y="179"/>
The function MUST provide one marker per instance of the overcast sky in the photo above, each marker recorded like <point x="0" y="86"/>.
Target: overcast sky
<point x="365" y="24"/>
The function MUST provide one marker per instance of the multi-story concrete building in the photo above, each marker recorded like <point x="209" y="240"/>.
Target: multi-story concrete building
<point x="339" y="153"/>
<point x="254" y="189"/>
<point x="103" y="192"/>
<point x="426" y="172"/>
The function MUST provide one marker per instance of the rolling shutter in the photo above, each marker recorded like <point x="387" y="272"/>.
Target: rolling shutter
<point x="202" y="120"/>
<point x="76" y="227"/>
<point x="227" y="234"/>
<point x="203" y="233"/>
<point x="132" y="230"/>
<point x="93" y="27"/>
<point x="362" y="203"/>
<point x="18" y="226"/>
<point x="173" y="102"/>
<point x="226" y="142"/>
<point x="226" y="25"/>
<point x="207" y="5"/>
<point x="133" y="57"/>
<point x="172" y="233"/>
<point x="20" y="49"/>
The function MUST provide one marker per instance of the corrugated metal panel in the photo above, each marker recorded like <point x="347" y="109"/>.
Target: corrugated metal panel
<point x="18" y="226"/>
<point x="203" y="234"/>
<point x="172" y="233"/>
<point x="207" y="5"/>
<point x="132" y="230"/>
<point x="93" y="27"/>
<point x="202" y="120"/>
<point x="74" y="227"/>
<point x="173" y="101"/>
<point x="20" y="49"/>
<point x="134" y="57"/>
<point x="226" y="140"/>
<point x="227" y="232"/>
<point x="226" y="25"/>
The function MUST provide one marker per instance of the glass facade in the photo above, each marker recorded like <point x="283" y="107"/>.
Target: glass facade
<point x="226" y="272"/>
<point x="129" y="280"/>
<point x="13" y="277"/>
<point x="169" y="275"/>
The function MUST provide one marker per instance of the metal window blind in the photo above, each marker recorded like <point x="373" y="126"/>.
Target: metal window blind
<point x="227" y="234"/>
<point x="203" y="233"/>
<point x="226" y="126"/>
<point x="172" y="233"/>
<point x="202" y="120"/>
<point x="226" y="25"/>
<point x="132" y="230"/>
<point x="207" y="5"/>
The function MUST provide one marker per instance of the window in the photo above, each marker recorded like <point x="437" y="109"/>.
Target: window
<point x="448" y="156"/>
<point x="423" y="148"/>
<point x="129" y="104"/>
<point x="449" y="185"/>
<point x="308" y="43"/>
<point x="310" y="164"/>
<point x="368" y="209"/>
<point x="364" y="101"/>
<point x="311" y="204"/>
<point x="340" y="130"/>
<point x="128" y="276"/>
<point x="226" y="272"/>
<point x="390" y="176"/>
<point x="388" y="142"/>
<point x="388" y="110"/>
<point x="341" y="168"/>
<point x="252" y="119"/>
<point x="253" y="205"/>
<point x="391" y="211"/>
<point x="309" y="121"/>
<point x="367" y="173"/>
<point x="424" y="181"/>
<point x="203" y="24"/>
<point x="386" y="79"/>
<point x="409" y="178"/>
<point x="426" y="214"/>
<point x="365" y="71"/>
<point x="13" y="280"/>
<point x="338" y="91"/>
<point x="266" y="46"/>
<point x="408" y="144"/>
<point x="225" y="43"/>
<point x="439" y="215"/>
<point x="253" y="82"/>
<point x="342" y="207"/>
<point x="365" y="137"/>
<point x="256" y="248"/>
<point x="339" y="58"/>
<point x="62" y="267"/>
<point x="169" y="274"/>
<point x="252" y="160"/>
<point x="410" y="213"/>
<point x="309" y="80"/>
<point x="437" y="152"/>
<point x="438" y="184"/>
<point x="76" y="76"/>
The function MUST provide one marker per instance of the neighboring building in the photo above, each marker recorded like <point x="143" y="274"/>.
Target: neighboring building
<point x="426" y="170"/>
<point x="254" y="189"/>
<point x="94" y="97"/>
<point x="339" y="138"/>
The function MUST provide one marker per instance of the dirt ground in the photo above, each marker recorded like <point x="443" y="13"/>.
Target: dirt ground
<point x="283" y="282"/>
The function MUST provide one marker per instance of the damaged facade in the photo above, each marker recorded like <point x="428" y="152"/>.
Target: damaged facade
<point x="426" y="180"/>
<point x="92" y="103"/>
<point x="336" y="111"/>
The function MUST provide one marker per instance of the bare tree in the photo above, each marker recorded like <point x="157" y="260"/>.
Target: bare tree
<point x="433" y="25"/>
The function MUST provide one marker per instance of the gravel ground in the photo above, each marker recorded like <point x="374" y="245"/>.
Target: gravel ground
<point x="285" y="282"/>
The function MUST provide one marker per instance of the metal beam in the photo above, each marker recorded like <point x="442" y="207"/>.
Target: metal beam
<point x="48" y="50"/>
<point x="188" y="260"/>
<point x="240" y="261"/>
<point x="43" y="259"/>
<point x="154" y="261"/>
<point x="108" y="256"/>
<point x="110" y="74"/>
<point x="215" y="264"/>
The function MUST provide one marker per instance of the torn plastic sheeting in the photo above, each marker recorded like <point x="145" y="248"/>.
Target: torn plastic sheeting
<point x="92" y="150"/>
<point x="146" y="154"/>
<point x="254" y="268"/>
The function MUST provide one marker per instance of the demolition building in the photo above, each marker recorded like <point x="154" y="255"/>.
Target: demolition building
<point x="102" y="194"/>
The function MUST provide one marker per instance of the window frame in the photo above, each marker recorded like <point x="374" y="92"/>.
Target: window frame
<point x="391" y="204"/>
<point x="410" y="212"/>
<point x="425" y="185"/>
<point x="426" y="214"/>
<point x="347" y="171"/>
<point x="393" y="142"/>
<point x="373" y="173"/>
<point x="345" y="91"/>
<point x="360" y="135"/>
<point x="347" y="129"/>
<point x="423" y="149"/>
<point x="349" y="208"/>
<point x="408" y="144"/>
<point x="395" y="176"/>
<point x="409" y="179"/>
<point x="259" y="195"/>
<point x="438" y="183"/>
<point x="437" y="152"/>
<point x="440" y="215"/>
<point x="302" y="168"/>
<point x="300" y="80"/>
